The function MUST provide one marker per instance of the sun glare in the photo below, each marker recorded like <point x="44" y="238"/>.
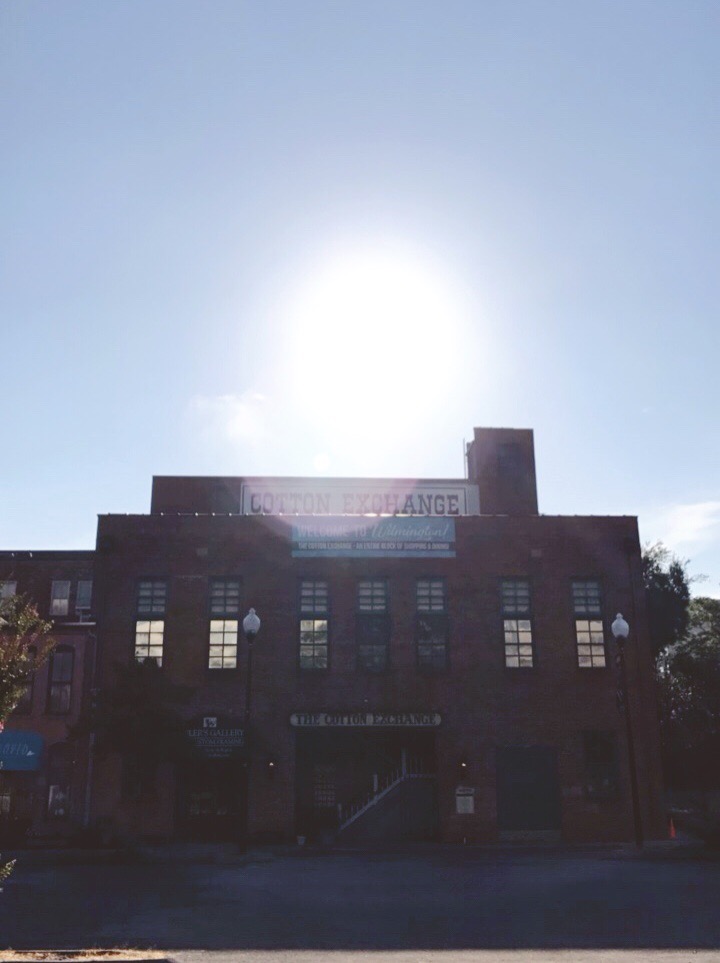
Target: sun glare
<point x="375" y="338"/>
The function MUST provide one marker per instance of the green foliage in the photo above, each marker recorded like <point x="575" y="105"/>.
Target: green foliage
<point x="667" y="594"/>
<point x="6" y="869"/>
<point x="21" y="630"/>
<point x="139" y="718"/>
<point x="688" y="675"/>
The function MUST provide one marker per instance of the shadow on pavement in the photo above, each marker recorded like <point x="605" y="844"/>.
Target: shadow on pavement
<point x="435" y="899"/>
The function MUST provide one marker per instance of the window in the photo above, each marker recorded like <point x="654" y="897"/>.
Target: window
<point x="25" y="703"/>
<point x="313" y="625"/>
<point x="588" y="625"/>
<point x="324" y="792"/>
<point x="5" y="802"/>
<point x="431" y="625"/>
<point x="58" y="801"/>
<point x="600" y="750"/>
<point x="517" y="624"/>
<point x="224" y="602"/>
<point x="83" y="599"/>
<point x="60" y="680"/>
<point x="225" y="597"/>
<point x="372" y="596"/>
<point x="151" y="597"/>
<point x="7" y="590"/>
<point x="149" y="640"/>
<point x="223" y="644"/>
<point x="373" y="625"/>
<point x="59" y="769"/>
<point x="60" y="598"/>
<point x="150" y="631"/>
<point x="430" y="595"/>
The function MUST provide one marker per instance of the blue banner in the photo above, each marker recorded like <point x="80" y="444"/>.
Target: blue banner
<point x="20" y="751"/>
<point x="393" y="537"/>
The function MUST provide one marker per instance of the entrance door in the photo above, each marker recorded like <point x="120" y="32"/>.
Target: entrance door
<point x="210" y="801"/>
<point x="528" y="794"/>
<point x="341" y="769"/>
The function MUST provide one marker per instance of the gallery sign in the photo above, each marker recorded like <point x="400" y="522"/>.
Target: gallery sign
<point x="372" y="496"/>
<point x="20" y="751"/>
<point x="216" y="742"/>
<point x="365" y="720"/>
<point x="374" y="538"/>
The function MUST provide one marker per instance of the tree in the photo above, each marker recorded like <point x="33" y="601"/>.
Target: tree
<point x="138" y="717"/>
<point x="667" y="594"/>
<point x="25" y="643"/>
<point x="689" y="686"/>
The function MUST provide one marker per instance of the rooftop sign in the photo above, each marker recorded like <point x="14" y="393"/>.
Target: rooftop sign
<point x="339" y="496"/>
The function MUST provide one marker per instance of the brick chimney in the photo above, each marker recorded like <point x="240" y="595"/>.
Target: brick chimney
<point x="502" y="463"/>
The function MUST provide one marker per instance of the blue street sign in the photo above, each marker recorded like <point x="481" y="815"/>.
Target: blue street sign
<point x="20" y="751"/>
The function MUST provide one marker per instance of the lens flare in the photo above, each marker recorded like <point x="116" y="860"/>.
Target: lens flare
<point x="375" y="339"/>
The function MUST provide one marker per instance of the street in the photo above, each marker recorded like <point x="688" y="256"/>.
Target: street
<point x="432" y="900"/>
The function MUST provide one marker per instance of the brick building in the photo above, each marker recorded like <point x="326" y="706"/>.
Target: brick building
<point x="43" y="775"/>
<point x="434" y="660"/>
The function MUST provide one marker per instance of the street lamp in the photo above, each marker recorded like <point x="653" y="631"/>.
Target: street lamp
<point x="620" y="630"/>
<point x="251" y="627"/>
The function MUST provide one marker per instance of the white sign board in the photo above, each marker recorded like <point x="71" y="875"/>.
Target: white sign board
<point x="366" y="720"/>
<point x="372" y="496"/>
<point x="465" y="800"/>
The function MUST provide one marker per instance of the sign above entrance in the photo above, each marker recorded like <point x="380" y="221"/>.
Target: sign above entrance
<point x="217" y="743"/>
<point x="366" y="720"/>
<point x="349" y="496"/>
<point x="20" y="751"/>
<point x="374" y="538"/>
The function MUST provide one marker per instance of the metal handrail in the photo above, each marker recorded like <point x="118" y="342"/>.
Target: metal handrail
<point x="410" y="768"/>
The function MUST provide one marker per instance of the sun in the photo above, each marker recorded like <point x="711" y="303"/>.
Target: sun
<point x="375" y="338"/>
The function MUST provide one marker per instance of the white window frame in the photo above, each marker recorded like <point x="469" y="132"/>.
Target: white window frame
<point x="60" y="603"/>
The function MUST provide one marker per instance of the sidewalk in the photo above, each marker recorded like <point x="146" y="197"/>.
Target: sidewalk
<point x="227" y="853"/>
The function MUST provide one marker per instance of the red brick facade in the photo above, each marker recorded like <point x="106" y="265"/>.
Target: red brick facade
<point x="30" y="802"/>
<point x="495" y="722"/>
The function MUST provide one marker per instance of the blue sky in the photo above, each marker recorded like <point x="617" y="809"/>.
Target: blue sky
<point x="331" y="237"/>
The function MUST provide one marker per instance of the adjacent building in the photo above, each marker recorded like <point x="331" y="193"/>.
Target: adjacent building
<point x="43" y="775"/>
<point x="434" y="659"/>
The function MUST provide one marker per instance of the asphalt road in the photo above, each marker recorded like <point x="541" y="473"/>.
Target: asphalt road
<point x="445" y="899"/>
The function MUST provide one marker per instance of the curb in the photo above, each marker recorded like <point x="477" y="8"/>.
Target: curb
<point x="79" y="956"/>
<point x="228" y="856"/>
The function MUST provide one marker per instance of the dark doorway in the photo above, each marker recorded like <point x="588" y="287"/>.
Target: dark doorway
<point x="340" y="770"/>
<point x="210" y="800"/>
<point x="528" y="794"/>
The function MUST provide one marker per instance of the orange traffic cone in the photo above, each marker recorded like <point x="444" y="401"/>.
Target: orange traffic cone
<point x="672" y="828"/>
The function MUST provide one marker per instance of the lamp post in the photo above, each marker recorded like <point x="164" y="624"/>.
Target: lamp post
<point x="251" y="627"/>
<point x="620" y="630"/>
